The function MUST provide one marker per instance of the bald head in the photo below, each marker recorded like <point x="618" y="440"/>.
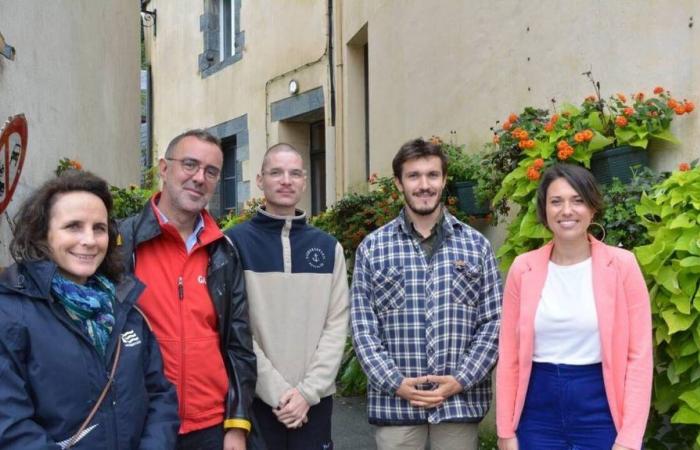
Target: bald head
<point x="278" y="148"/>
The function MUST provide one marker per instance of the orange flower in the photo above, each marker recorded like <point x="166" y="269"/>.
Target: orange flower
<point x="538" y="164"/>
<point x="548" y="127"/>
<point x="529" y="143"/>
<point x="658" y="90"/>
<point x="533" y="174"/>
<point x="554" y="118"/>
<point x="621" y="121"/>
<point x="579" y="137"/>
<point x="590" y="98"/>
<point x="565" y="153"/>
<point x="76" y="165"/>
<point x="684" y="167"/>
<point x="435" y="140"/>
<point x="562" y="144"/>
<point x="523" y="135"/>
<point x="622" y="97"/>
<point x="680" y="109"/>
<point x="672" y="103"/>
<point x="588" y="134"/>
<point x="689" y="106"/>
<point x="512" y="117"/>
<point x="628" y="111"/>
<point x="506" y="125"/>
<point x="639" y="97"/>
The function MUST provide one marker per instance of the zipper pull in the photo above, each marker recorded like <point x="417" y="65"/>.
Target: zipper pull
<point x="180" y="288"/>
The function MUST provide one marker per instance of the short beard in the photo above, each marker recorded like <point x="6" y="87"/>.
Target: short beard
<point x="422" y="212"/>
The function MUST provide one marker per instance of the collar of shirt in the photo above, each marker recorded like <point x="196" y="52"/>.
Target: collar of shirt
<point x="193" y="238"/>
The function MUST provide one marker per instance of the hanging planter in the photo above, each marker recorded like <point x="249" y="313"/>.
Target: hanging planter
<point x="618" y="162"/>
<point x="465" y="191"/>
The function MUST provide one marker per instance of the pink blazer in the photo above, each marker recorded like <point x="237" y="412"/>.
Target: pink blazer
<point x="624" y="321"/>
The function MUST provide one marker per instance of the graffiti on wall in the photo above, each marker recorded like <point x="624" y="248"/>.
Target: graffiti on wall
<point x="13" y="147"/>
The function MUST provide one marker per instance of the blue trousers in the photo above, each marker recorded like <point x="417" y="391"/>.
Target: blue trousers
<point x="566" y="409"/>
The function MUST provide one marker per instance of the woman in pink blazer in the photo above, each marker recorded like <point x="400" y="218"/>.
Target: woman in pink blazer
<point x="575" y="350"/>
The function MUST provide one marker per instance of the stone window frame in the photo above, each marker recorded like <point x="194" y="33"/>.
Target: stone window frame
<point x="209" y="60"/>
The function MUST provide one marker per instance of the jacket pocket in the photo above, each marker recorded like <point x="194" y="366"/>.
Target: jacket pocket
<point x="466" y="284"/>
<point x="389" y="290"/>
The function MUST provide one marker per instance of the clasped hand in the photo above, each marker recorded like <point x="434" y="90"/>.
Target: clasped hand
<point x="292" y="409"/>
<point x="444" y="387"/>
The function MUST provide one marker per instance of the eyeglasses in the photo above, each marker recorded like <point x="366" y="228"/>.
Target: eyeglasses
<point x="276" y="174"/>
<point x="191" y="166"/>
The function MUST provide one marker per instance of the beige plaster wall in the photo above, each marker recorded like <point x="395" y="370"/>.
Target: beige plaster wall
<point x="76" y="78"/>
<point x="456" y="65"/>
<point x="283" y="40"/>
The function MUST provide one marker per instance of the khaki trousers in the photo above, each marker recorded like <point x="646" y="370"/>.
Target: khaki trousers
<point x="443" y="436"/>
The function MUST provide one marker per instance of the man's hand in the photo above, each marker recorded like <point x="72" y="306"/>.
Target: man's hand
<point x="619" y="447"/>
<point x="420" y="398"/>
<point x="508" y="444"/>
<point x="292" y="409"/>
<point x="234" y="439"/>
<point x="447" y="385"/>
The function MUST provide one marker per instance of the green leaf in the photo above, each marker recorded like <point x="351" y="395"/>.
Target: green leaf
<point x="668" y="277"/>
<point x="639" y="142"/>
<point x="690" y="261"/>
<point x="677" y="322"/>
<point x="569" y="108"/>
<point x="692" y="399"/>
<point x="595" y="122"/>
<point x="683" y="221"/>
<point x="624" y="136"/>
<point x="666" y="135"/>
<point x="686" y="415"/>
<point x="599" y="142"/>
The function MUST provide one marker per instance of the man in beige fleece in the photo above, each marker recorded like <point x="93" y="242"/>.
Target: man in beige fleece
<point x="298" y="300"/>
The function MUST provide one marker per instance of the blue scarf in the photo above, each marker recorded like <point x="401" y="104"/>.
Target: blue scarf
<point x="89" y="305"/>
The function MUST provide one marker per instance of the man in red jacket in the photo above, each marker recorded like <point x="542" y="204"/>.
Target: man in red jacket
<point x="195" y="297"/>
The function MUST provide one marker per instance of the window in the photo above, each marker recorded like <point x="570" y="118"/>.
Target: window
<point x="227" y="35"/>
<point x="220" y="26"/>
<point x="228" y="176"/>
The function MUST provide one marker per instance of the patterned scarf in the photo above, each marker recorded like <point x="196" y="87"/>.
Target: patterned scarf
<point x="89" y="305"/>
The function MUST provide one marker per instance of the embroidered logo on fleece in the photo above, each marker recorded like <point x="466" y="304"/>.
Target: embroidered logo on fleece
<point x="315" y="257"/>
<point x="130" y="339"/>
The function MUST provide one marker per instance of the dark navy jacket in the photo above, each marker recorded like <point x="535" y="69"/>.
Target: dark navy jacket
<point x="51" y="375"/>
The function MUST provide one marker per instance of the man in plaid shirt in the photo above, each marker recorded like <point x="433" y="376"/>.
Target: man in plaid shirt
<point x="426" y="304"/>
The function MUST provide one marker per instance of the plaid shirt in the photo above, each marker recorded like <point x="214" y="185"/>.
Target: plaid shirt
<point x="412" y="317"/>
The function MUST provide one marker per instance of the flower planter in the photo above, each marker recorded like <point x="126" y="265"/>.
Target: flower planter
<point x="465" y="191"/>
<point x="618" y="162"/>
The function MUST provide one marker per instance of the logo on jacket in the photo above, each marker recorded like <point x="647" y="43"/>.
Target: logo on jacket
<point x="130" y="339"/>
<point x="315" y="257"/>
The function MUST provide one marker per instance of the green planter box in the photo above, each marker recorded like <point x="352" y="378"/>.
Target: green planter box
<point x="618" y="162"/>
<point x="465" y="191"/>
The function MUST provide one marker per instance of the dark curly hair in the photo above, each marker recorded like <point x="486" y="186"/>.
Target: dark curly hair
<point x="31" y="233"/>
<point x="417" y="148"/>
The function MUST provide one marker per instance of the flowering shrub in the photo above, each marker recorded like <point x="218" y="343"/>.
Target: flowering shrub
<point x="528" y="143"/>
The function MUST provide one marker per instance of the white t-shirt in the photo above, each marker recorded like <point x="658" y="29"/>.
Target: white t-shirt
<point x="566" y="324"/>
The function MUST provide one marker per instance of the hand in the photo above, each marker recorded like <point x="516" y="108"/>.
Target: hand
<point x="619" y="447"/>
<point x="419" y="397"/>
<point x="292" y="409"/>
<point x="508" y="444"/>
<point x="234" y="439"/>
<point x="447" y="385"/>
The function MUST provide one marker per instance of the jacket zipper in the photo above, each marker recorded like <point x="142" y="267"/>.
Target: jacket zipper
<point x="181" y="297"/>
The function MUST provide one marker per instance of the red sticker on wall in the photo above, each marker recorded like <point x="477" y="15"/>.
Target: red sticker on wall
<point x="13" y="147"/>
